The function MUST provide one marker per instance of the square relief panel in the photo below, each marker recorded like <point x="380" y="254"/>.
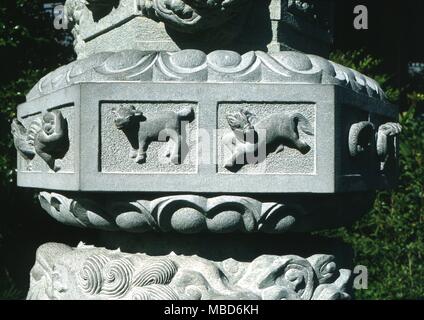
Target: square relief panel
<point x="148" y="137"/>
<point x="286" y="131"/>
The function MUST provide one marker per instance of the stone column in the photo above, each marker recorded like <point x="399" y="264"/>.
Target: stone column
<point x="208" y="139"/>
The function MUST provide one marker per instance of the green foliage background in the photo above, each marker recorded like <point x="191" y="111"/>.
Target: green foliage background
<point x="29" y="48"/>
<point x="389" y="240"/>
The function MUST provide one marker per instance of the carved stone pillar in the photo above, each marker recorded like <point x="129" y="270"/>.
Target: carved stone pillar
<point x="201" y="153"/>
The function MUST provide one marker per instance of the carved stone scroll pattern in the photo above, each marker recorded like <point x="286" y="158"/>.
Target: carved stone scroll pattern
<point x="183" y="214"/>
<point x="195" y="65"/>
<point x="92" y="273"/>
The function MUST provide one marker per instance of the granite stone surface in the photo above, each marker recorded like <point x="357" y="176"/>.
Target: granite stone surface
<point x="89" y="273"/>
<point x="161" y="25"/>
<point x="326" y="168"/>
<point x="205" y="134"/>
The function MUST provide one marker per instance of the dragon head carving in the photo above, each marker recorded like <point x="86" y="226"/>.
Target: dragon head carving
<point x="194" y="15"/>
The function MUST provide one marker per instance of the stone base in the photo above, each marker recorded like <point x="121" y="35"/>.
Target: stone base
<point x="90" y="273"/>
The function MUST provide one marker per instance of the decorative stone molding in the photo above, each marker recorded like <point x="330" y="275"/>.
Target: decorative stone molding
<point x="47" y="137"/>
<point x="86" y="272"/>
<point x="193" y="214"/>
<point x="196" y="66"/>
<point x="183" y="214"/>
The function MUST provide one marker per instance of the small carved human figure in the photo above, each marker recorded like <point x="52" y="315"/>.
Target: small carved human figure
<point x="47" y="137"/>
<point x="141" y="131"/>
<point x="274" y="132"/>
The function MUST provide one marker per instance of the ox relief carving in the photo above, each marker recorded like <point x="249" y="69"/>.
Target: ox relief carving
<point x="47" y="137"/>
<point x="364" y="139"/>
<point x="142" y="130"/>
<point x="253" y="138"/>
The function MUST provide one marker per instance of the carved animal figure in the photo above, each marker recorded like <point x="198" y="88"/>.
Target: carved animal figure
<point x="141" y="131"/>
<point x="385" y="132"/>
<point x="47" y="137"/>
<point x="386" y="143"/>
<point x="193" y="15"/>
<point x="363" y="139"/>
<point x="23" y="143"/>
<point x="276" y="131"/>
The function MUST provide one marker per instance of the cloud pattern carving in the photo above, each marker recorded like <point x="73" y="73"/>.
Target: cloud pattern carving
<point x="62" y="272"/>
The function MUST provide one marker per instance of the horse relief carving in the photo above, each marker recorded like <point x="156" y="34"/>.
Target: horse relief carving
<point x="274" y="132"/>
<point x="47" y="137"/>
<point x="142" y="130"/>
